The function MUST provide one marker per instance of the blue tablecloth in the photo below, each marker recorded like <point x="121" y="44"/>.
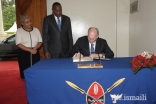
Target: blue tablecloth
<point x="46" y="82"/>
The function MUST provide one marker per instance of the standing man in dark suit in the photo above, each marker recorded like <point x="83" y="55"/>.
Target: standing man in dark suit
<point x="92" y="46"/>
<point x="57" y="33"/>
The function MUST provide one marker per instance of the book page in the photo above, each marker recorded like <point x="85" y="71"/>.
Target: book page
<point x="102" y="58"/>
<point x="83" y="59"/>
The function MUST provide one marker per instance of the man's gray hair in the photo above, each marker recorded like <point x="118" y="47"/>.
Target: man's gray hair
<point x="22" y="17"/>
<point x="94" y="28"/>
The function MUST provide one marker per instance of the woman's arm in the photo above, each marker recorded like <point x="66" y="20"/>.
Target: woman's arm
<point x="21" y="46"/>
<point x="38" y="45"/>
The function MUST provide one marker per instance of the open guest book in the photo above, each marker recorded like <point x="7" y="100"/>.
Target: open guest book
<point x="84" y="59"/>
<point x="89" y="65"/>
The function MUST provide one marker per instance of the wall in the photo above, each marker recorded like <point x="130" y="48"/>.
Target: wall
<point x="122" y="28"/>
<point x="143" y="28"/>
<point x="111" y="17"/>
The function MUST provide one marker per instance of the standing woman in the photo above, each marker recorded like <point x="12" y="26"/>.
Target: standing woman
<point x="28" y="40"/>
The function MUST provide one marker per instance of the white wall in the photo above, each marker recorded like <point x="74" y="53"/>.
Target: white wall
<point x="143" y="28"/>
<point x="122" y="28"/>
<point x="111" y="17"/>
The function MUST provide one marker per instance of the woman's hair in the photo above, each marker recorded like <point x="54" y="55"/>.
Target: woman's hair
<point x="22" y="17"/>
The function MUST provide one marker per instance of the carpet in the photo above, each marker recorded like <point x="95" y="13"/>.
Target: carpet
<point x="12" y="87"/>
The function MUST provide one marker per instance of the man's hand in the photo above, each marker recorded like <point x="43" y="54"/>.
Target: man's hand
<point x="96" y="55"/>
<point x="78" y="55"/>
<point x="93" y="55"/>
<point x="47" y="55"/>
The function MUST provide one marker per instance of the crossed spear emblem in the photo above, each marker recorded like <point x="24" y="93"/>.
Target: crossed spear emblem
<point x="83" y="91"/>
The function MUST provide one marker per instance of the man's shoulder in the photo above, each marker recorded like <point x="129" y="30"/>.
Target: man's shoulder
<point x="82" y="38"/>
<point x="64" y="16"/>
<point x="48" y="16"/>
<point x="51" y="15"/>
<point x="102" y="40"/>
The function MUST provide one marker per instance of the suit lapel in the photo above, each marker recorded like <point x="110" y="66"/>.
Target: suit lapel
<point x="54" y="21"/>
<point x="62" y="22"/>
<point x="86" y="44"/>
<point x="98" y="44"/>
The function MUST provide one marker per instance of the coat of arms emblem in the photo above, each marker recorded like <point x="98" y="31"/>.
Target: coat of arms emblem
<point x="95" y="93"/>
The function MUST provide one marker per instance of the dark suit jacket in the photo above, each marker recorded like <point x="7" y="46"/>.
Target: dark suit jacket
<point x="82" y="45"/>
<point x="55" y="41"/>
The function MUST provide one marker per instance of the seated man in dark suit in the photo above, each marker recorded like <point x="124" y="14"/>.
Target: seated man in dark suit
<point x="92" y="46"/>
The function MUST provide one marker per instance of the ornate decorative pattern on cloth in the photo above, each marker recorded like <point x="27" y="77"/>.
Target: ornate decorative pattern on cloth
<point x="95" y="93"/>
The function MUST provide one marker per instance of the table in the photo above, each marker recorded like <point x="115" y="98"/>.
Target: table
<point x="46" y="82"/>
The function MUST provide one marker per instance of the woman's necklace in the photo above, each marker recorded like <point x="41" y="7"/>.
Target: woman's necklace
<point x="28" y="30"/>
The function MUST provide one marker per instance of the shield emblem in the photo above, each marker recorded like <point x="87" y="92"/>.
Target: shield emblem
<point x="95" y="94"/>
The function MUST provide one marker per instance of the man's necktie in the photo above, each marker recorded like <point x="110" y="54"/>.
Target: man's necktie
<point x="92" y="48"/>
<point x="59" y="23"/>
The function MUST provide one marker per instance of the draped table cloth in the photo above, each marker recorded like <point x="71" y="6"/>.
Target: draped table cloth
<point x="46" y="82"/>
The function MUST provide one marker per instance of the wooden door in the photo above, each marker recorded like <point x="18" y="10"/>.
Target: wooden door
<point x="36" y="9"/>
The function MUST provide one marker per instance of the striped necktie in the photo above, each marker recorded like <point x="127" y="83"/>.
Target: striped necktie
<point x="92" y="49"/>
<point x="59" y="23"/>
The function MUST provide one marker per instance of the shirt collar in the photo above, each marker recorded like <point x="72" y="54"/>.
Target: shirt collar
<point x="56" y="17"/>
<point x="92" y="43"/>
